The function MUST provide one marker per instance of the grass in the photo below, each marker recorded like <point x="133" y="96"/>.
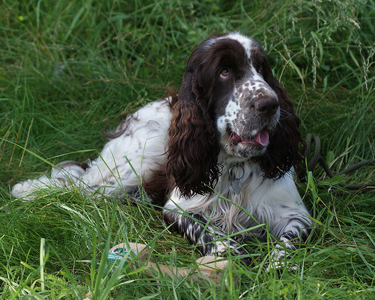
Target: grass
<point x="68" y="68"/>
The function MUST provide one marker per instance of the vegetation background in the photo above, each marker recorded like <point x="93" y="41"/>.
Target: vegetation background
<point x="68" y="68"/>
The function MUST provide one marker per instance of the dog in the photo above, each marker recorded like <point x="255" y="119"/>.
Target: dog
<point x="219" y="156"/>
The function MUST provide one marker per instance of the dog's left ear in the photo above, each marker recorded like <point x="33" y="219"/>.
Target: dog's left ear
<point x="286" y="144"/>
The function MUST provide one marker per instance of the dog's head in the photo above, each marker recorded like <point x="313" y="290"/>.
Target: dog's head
<point x="230" y="101"/>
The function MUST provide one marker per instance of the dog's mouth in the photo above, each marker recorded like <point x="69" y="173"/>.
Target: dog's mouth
<point x="259" y="139"/>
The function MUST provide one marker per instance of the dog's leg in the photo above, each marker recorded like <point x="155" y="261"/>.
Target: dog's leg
<point x="68" y="171"/>
<point x="62" y="175"/>
<point x="292" y="235"/>
<point x="209" y="240"/>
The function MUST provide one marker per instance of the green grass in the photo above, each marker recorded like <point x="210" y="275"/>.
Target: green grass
<point x="68" y="68"/>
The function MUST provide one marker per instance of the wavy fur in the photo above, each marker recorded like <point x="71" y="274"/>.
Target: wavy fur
<point x="193" y="145"/>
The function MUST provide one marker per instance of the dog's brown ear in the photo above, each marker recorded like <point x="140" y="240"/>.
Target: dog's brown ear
<point x="286" y="146"/>
<point x="193" y="145"/>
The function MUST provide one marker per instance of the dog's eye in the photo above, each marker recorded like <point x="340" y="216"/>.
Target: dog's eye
<point x="224" y="74"/>
<point x="259" y="69"/>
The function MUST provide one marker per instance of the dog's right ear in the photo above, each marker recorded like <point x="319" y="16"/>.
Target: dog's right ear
<point x="193" y="147"/>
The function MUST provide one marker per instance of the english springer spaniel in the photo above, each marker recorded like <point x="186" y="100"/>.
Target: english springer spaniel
<point x="219" y="156"/>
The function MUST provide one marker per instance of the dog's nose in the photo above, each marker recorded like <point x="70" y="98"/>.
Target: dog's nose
<point x="267" y="107"/>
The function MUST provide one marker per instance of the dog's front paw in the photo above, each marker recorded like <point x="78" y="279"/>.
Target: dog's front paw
<point x="280" y="259"/>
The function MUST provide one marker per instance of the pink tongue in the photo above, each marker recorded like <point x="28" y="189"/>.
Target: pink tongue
<point x="262" y="138"/>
